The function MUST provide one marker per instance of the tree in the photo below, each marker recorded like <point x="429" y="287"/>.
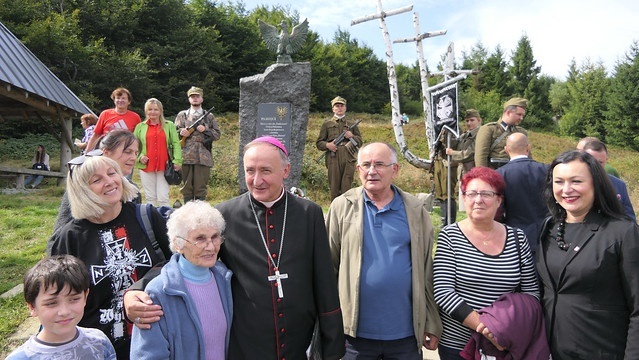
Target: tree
<point x="539" y="111"/>
<point x="476" y="59"/>
<point x="409" y="88"/>
<point x="623" y="102"/>
<point x="343" y="68"/>
<point x="495" y="74"/>
<point x="523" y="68"/>
<point x="585" y="114"/>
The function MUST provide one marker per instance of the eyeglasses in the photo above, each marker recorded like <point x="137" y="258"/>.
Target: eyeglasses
<point x="202" y="243"/>
<point x="79" y="160"/>
<point x="482" y="194"/>
<point x="378" y="165"/>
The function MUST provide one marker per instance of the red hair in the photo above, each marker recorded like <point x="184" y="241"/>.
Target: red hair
<point x="486" y="174"/>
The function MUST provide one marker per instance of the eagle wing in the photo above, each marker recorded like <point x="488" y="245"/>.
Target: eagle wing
<point x="298" y="36"/>
<point x="269" y="35"/>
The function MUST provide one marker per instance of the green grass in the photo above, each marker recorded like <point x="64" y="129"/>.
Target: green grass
<point x="26" y="219"/>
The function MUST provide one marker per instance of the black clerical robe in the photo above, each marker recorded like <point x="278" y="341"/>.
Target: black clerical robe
<point x="266" y="326"/>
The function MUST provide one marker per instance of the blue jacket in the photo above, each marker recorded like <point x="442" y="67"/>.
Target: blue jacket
<point x="178" y="334"/>
<point x="622" y="195"/>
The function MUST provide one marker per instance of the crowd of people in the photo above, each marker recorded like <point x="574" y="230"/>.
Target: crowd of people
<point x="542" y="266"/>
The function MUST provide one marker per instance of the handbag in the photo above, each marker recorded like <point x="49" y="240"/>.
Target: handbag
<point x="39" y="166"/>
<point x="172" y="176"/>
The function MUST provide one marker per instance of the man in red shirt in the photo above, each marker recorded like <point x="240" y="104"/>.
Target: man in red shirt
<point x="119" y="117"/>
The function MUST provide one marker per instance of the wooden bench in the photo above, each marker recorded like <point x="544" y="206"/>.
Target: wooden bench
<point x="19" y="174"/>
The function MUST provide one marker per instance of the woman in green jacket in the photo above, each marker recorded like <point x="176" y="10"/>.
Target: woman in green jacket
<point x="159" y="143"/>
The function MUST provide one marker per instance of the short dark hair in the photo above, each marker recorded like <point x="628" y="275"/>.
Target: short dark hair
<point x="605" y="196"/>
<point x="58" y="271"/>
<point x="595" y="145"/>
<point x="490" y="176"/>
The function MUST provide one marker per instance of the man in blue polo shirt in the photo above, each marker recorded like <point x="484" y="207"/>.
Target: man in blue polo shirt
<point x="381" y="241"/>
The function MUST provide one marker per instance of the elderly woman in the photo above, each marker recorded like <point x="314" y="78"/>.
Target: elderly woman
<point x="588" y="264"/>
<point x="107" y="236"/>
<point x="477" y="260"/>
<point x="160" y="142"/>
<point x="120" y="145"/>
<point x="194" y="290"/>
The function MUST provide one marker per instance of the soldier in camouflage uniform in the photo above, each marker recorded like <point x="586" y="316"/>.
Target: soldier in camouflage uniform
<point x="340" y="159"/>
<point x="491" y="138"/>
<point x="196" y="153"/>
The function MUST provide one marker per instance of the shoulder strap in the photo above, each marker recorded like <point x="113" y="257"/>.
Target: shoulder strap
<point x="499" y="139"/>
<point x="518" y="247"/>
<point x="142" y="212"/>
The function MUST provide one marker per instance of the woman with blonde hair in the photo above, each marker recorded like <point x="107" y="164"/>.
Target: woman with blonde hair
<point x="107" y="236"/>
<point x="120" y="145"/>
<point x="159" y="143"/>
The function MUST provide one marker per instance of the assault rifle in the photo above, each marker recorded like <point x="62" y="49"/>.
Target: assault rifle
<point x="192" y="127"/>
<point x="338" y="140"/>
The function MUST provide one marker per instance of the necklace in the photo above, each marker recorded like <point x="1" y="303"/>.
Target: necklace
<point x="561" y="229"/>
<point x="276" y="266"/>
<point x="486" y="239"/>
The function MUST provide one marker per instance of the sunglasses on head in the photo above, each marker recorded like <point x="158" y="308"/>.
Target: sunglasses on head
<point x="79" y="160"/>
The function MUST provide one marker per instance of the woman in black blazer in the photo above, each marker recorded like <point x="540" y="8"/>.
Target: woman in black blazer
<point x="588" y="264"/>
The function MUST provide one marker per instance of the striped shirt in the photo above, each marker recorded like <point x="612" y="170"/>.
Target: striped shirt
<point x="466" y="279"/>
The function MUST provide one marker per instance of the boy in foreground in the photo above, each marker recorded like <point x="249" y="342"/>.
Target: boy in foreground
<point x="56" y="290"/>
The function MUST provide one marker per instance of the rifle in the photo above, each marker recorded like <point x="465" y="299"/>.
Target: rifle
<point x="192" y="127"/>
<point x="338" y="140"/>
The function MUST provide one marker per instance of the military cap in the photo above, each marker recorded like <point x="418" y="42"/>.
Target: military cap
<point x="516" y="101"/>
<point x="472" y="113"/>
<point x="338" y="100"/>
<point x="195" y="90"/>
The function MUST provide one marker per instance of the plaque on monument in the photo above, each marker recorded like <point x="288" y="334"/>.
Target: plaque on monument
<point x="274" y="119"/>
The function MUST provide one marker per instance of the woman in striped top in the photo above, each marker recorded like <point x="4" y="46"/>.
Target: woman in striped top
<point x="477" y="260"/>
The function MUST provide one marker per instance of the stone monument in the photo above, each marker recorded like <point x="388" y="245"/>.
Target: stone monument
<point x="276" y="103"/>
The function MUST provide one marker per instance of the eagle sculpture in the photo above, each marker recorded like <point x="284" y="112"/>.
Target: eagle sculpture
<point x="284" y="44"/>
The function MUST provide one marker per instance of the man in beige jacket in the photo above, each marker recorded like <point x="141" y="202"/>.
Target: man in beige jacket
<point x="381" y="241"/>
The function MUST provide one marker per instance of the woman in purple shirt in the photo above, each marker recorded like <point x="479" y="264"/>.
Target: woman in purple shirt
<point x="194" y="290"/>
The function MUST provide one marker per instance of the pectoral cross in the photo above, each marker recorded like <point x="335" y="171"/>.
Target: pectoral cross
<point x="278" y="278"/>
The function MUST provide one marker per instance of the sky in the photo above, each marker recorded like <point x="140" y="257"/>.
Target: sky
<point x="559" y="30"/>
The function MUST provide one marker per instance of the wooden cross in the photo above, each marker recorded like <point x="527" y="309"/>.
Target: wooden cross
<point x="278" y="279"/>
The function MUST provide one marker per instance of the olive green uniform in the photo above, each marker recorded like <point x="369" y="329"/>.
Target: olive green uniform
<point x="340" y="164"/>
<point x="464" y="153"/>
<point x="490" y="143"/>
